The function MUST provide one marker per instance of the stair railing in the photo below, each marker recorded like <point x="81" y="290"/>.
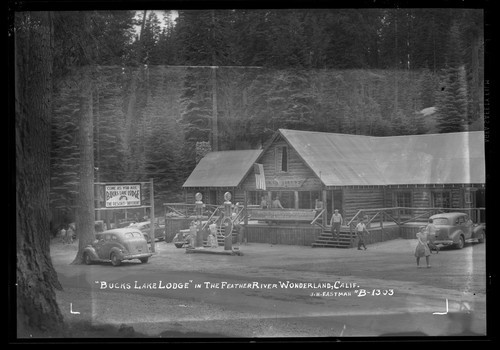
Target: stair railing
<point x="317" y="217"/>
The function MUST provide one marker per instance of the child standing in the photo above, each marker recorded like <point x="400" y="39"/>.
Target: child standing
<point x="360" y="230"/>
<point x="431" y="232"/>
<point x="422" y="248"/>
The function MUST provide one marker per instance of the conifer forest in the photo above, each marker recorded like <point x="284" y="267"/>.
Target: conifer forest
<point x="163" y="87"/>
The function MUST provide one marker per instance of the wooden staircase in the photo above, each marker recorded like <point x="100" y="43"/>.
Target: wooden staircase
<point x="325" y="240"/>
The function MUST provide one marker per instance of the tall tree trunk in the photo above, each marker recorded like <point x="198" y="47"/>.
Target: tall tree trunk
<point x="85" y="216"/>
<point x="37" y="311"/>
<point x="215" y="122"/>
<point x="132" y="102"/>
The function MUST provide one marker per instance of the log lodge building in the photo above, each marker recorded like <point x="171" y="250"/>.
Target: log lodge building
<point x="345" y="172"/>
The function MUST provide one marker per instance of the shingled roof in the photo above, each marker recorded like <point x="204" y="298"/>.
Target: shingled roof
<point x="222" y="169"/>
<point x="354" y="160"/>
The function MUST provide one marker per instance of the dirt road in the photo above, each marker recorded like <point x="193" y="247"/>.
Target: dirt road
<point x="281" y="291"/>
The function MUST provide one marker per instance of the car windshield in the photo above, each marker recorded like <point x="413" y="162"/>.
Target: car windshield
<point x="132" y="234"/>
<point x="440" y="221"/>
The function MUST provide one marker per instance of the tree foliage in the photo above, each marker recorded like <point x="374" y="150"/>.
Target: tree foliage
<point x="357" y="71"/>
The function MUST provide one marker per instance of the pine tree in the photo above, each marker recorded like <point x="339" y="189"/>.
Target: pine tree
<point x="37" y="311"/>
<point x="452" y="102"/>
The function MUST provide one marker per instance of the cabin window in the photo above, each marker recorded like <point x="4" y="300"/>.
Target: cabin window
<point x="441" y="199"/>
<point x="255" y="197"/>
<point x="281" y="155"/>
<point x="403" y="199"/>
<point x="284" y="159"/>
<point x="307" y="199"/>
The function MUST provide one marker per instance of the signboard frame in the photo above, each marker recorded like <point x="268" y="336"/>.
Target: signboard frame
<point x="119" y="191"/>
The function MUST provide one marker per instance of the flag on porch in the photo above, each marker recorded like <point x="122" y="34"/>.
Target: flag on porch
<point x="260" y="179"/>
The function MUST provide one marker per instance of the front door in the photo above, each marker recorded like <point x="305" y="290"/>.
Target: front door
<point x="333" y="201"/>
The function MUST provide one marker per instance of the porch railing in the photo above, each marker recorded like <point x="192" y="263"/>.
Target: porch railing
<point x="422" y="212"/>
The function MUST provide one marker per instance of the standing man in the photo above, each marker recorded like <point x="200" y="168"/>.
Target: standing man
<point x="335" y="222"/>
<point x="360" y="230"/>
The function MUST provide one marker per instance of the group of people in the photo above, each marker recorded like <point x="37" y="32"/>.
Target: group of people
<point x="67" y="233"/>
<point x="275" y="204"/>
<point x="425" y="237"/>
<point x="425" y="243"/>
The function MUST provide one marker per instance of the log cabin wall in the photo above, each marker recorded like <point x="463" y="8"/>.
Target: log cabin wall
<point x="362" y="198"/>
<point x="298" y="177"/>
<point x="427" y="196"/>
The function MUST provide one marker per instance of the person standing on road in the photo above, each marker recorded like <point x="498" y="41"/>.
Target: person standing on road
<point x="69" y="234"/>
<point x="360" y="230"/>
<point x="422" y="248"/>
<point x="241" y="232"/>
<point x="335" y="222"/>
<point x="63" y="233"/>
<point x="431" y="232"/>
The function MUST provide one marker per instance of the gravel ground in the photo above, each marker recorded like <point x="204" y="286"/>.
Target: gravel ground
<point x="458" y="275"/>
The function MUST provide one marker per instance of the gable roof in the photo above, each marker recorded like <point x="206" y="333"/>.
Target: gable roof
<point x="336" y="159"/>
<point x="355" y="160"/>
<point x="222" y="169"/>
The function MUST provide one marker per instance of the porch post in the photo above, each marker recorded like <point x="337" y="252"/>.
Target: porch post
<point x="245" y="206"/>
<point x="324" y="218"/>
<point x="245" y="213"/>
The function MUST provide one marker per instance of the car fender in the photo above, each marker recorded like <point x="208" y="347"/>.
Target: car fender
<point x="118" y="251"/>
<point x="478" y="230"/>
<point x="91" y="251"/>
<point x="455" y="236"/>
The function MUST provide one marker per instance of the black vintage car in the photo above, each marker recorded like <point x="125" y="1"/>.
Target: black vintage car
<point x="117" y="245"/>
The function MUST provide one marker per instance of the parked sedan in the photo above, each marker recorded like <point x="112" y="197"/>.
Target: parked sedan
<point x="145" y="228"/>
<point x="117" y="245"/>
<point x="456" y="228"/>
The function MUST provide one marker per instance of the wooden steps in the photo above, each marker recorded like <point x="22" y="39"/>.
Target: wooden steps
<point x="325" y="240"/>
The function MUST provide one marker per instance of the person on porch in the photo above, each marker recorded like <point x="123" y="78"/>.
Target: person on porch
<point x="335" y="222"/>
<point x="277" y="204"/>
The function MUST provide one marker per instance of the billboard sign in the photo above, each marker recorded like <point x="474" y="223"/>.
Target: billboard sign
<point x="124" y="195"/>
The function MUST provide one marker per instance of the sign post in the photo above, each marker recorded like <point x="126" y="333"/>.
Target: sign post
<point x="123" y="196"/>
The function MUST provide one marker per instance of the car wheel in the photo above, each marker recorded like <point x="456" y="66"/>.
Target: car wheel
<point x="87" y="259"/>
<point x="144" y="260"/>
<point x="461" y="242"/>
<point x="115" y="260"/>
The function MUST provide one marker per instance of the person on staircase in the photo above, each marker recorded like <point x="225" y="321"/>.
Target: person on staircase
<point x="335" y="222"/>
